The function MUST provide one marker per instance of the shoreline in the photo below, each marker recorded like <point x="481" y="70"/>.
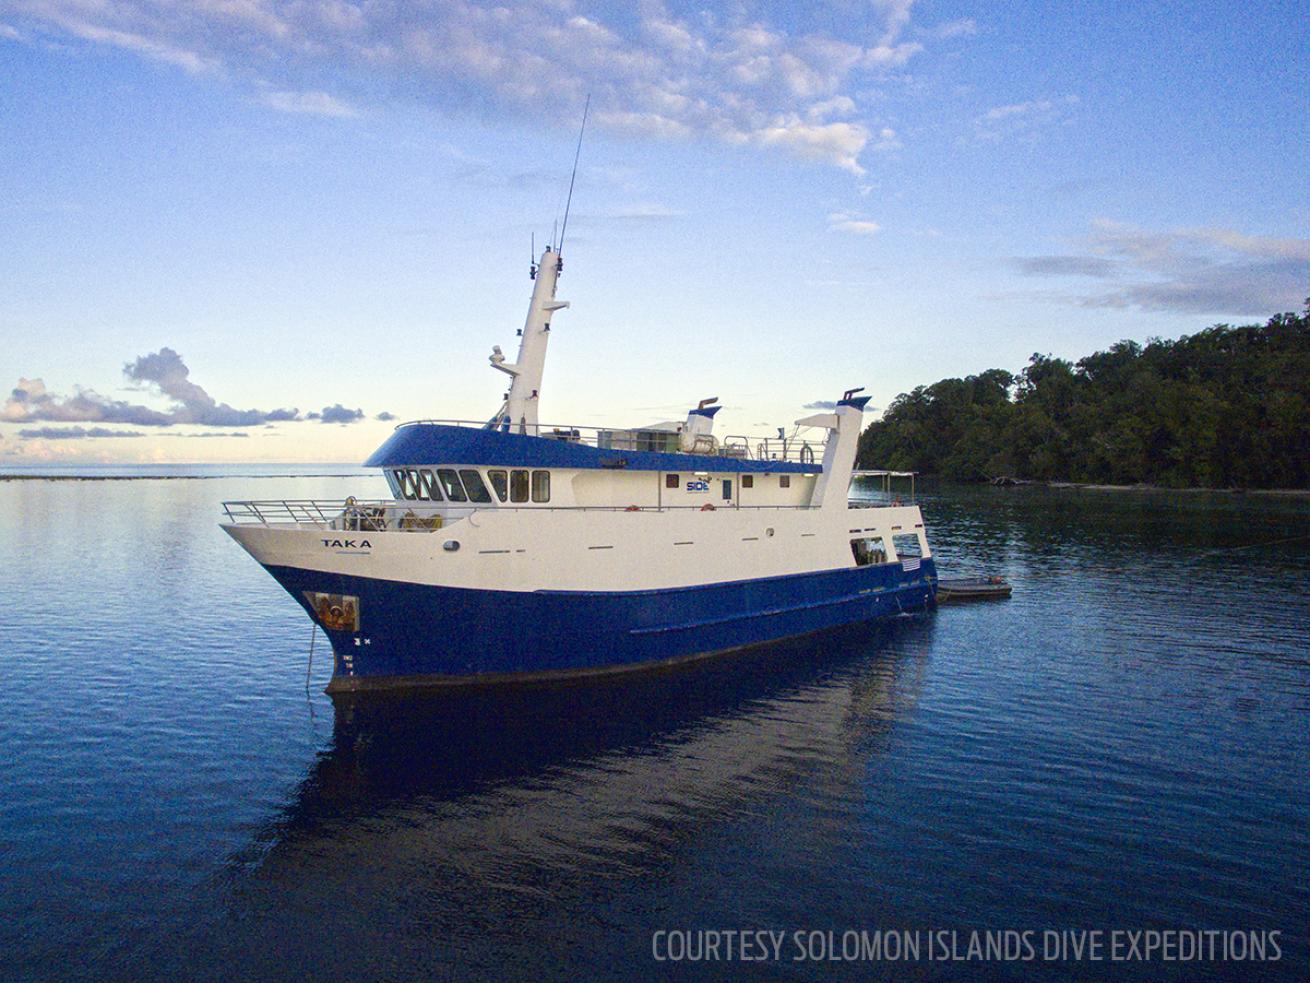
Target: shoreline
<point x="1090" y="486"/>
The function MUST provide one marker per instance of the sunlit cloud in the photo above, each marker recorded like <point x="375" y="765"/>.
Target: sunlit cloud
<point x="732" y="76"/>
<point x="1193" y="271"/>
<point x="163" y="374"/>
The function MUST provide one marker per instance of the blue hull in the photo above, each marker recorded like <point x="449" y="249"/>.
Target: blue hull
<point x="414" y="634"/>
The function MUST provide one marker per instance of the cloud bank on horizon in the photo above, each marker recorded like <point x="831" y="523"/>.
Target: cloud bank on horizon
<point x="162" y="373"/>
<point x="730" y="75"/>
<point x="1196" y="271"/>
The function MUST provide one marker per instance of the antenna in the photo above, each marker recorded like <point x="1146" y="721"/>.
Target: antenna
<point x="574" y="175"/>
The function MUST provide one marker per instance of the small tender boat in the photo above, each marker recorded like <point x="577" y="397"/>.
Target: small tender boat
<point x="958" y="589"/>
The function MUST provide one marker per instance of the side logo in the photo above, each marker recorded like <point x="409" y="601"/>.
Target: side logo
<point x="698" y="486"/>
<point x="347" y="544"/>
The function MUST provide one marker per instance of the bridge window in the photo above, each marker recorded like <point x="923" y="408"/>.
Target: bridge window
<point x="401" y="484"/>
<point x="474" y="486"/>
<point x="869" y="550"/>
<point x="541" y="486"/>
<point x="411" y="479"/>
<point x="518" y="486"/>
<point x="671" y="481"/>
<point x="451" y="486"/>
<point x="500" y="483"/>
<point x="428" y="485"/>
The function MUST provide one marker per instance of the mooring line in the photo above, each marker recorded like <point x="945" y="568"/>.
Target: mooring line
<point x="310" y="668"/>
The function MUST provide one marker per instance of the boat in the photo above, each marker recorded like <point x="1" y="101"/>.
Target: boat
<point x="953" y="589"/>
<point x="513" y="550"/>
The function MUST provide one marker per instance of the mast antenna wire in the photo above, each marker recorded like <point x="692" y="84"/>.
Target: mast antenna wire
<point x="573" y="177"/>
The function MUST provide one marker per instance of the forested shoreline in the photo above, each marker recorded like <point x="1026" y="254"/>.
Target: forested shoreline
<point x="1228" y="407"/>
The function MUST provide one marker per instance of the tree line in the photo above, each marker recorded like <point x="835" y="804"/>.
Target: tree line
<point x="1227" y="407"/>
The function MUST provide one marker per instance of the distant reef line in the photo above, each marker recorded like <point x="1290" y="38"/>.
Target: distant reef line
<point x="1226" y="408"/>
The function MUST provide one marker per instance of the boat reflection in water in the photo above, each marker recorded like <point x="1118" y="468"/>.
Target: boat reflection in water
<point x="469" y="811"/>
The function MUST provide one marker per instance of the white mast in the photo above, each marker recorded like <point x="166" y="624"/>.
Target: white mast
<point x="519" y="411"/>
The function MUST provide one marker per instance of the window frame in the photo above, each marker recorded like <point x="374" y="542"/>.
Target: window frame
<point x="415" y="484"/>
<point x="428" y="483"/>
<point x="448" y="488"/>
<point x="910" y="553"/>
<point x="870" y="551"/>
<point x="520" y="485"/>
<point x="401" y="484"/>
<point x="475" y="483"/>
<point x="538" y="497"/>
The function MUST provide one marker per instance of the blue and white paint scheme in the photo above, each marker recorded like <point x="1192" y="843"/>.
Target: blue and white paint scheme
<point x="511" y="549"/>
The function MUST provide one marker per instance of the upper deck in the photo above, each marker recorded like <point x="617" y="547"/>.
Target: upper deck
<point x="568" y="446"/>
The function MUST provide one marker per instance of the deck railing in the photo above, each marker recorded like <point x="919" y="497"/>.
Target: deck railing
<point x="798" y="450"/>
<point x="389" y="515"/>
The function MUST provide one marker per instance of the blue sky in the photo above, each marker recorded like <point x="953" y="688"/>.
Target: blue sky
<point x="270" y="223"/>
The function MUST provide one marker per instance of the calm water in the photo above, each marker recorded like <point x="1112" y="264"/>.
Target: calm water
<point x="1124" y="744"/>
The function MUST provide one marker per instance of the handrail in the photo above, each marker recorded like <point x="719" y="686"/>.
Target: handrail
<point x="652" y="439"/>
<point x="384" y="515"/>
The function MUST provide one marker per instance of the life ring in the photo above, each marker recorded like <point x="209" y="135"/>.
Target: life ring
<point x="807" y="454"/>
<point x="632" y="508"/>
<point x="350" y="501"/>
<point x="707" y="507"/>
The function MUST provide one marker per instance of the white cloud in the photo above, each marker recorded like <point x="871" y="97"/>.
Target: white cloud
<point x="151" y="48"/>
<point x="898" y="16"/>
<point x="836" y="106"/>
<point x="962" y="28"/>
<point x="842" y="222"/>
<point x="725" y="75"/>
<point x="887" y="140"/>
<point x="1018" y="109"/>
<point x="309" y="103"/>
<point x="6" y="31"/>
<point x="837" y="143"/>
<point x="1021" y="118"/>
<point x="1271" y="247"/>
<point x="644" y="210"/>
<point x="890" y="56"/>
